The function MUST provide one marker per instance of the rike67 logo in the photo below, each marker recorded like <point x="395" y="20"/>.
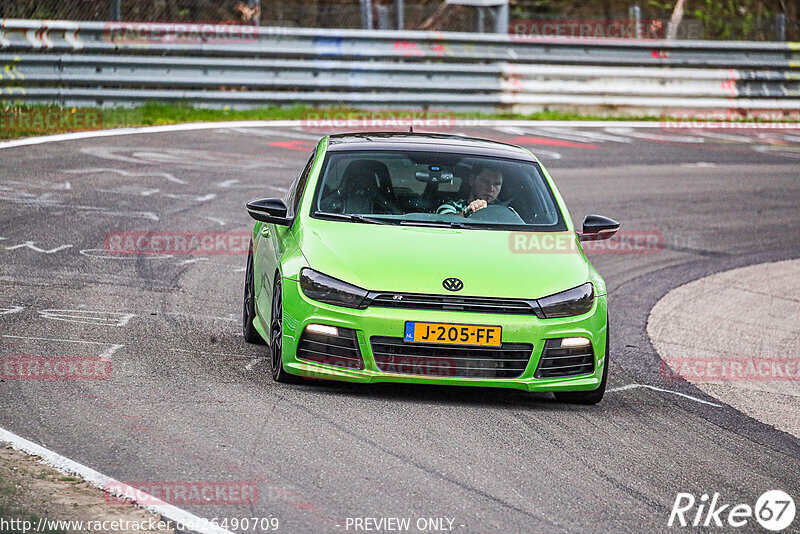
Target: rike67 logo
<point x="774" y="510"/>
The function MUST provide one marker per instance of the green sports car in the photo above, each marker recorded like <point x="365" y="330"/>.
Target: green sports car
<point x="426" y="258"/>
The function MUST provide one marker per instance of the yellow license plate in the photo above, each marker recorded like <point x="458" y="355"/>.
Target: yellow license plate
<point x="455" y="334"/>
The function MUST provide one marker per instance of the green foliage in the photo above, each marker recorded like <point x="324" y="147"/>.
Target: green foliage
<point x="729" y="19"/>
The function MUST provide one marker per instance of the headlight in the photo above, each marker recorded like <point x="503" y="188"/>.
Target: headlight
<point x="571" y="302"/>
<point x="327" y="289"/>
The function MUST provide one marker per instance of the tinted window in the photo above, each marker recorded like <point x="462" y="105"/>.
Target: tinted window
<point x="295" y="194"/>
<point x="435" y="187"/>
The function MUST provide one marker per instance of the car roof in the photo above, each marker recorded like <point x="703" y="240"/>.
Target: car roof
<point x="399" y="141"/>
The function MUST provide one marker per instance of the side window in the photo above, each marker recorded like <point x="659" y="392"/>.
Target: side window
<point x="295" y="194"/>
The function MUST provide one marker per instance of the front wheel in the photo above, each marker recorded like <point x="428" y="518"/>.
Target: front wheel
<point x="588" y="397"/>
<point x="279" y="374"/>
<point x="249" y="331"/>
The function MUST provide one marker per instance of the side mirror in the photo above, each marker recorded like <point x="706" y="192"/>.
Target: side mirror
<point x="269" y="210"/>
<point x="597" y="227"/>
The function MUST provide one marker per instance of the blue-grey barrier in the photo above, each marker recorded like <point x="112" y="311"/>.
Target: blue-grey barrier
<point x="77" y="63"/>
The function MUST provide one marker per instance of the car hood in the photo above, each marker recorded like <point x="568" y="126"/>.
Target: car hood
<point x="417" y="259"/>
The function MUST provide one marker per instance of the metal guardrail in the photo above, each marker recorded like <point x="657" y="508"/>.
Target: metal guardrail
<point x="93" y="63"/>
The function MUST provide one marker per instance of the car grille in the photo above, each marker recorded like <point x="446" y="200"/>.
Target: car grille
<point x="558" y="362"/>
<point x="340" y="351"/>
<point x="417" y="301"/>
<point x="393" y="355"/>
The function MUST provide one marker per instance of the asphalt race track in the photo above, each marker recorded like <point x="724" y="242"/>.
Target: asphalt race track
<point x="188" y="400"/>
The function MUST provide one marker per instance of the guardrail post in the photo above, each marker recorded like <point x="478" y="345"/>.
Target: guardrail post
<point x="115" y="10"/>
<point x="635" y="14"/>
<point x="366" y="14"/>
<point x="780" y="27"/>
<point x="399" y="5"/>
<point x="501" y="18"/>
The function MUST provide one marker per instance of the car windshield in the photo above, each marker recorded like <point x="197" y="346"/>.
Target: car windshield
<point x="435" y="189"/>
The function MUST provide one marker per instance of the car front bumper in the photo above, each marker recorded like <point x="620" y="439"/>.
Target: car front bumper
<point x="300" y="311"/>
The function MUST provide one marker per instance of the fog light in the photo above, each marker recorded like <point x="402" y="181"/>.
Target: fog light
<point x="322" y="329"/>
<point x="569" y="342"/>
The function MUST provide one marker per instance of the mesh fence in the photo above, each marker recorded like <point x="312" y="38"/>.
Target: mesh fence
<point x="748" y="20"/>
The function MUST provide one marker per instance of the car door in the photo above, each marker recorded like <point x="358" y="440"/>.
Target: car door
<point x="271" y="241"/>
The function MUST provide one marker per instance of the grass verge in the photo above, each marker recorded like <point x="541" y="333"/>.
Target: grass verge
<point x="27" y="121"/>
<point x="31" y="491"/>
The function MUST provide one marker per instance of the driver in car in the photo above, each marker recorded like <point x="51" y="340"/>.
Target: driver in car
<point x="486" y="184"/>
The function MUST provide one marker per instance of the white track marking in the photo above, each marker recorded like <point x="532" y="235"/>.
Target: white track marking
<point x="547" y="154"/>
<point x="103" y="254"/>
<point x="103" y="482"/>
<point x="589" y="136"/>
<point x="297" y="123"/>
<point x="212" y="353"/>
<point x="167" y="176"/>
<point x="230" y="317"/>
<point x="633" y="386"/>
<point x="567" y="134"/>
<point x="193" y="198"/>
<point x="252" y="363"/>
<point x="789" y="151"/>
<point x="13" y="309"/>
<point x="185" y="158"/>
<point x="704" y="164"/>
<point x="656" y="137"/>
<point x="191" y="260"/>
<point x="216" y="220"/>
<point x="61" y="187"/>
<point x="100" y="318"/>
<point x="237" y="184"/>
<point x="32" y="246"/>
<point x="541" y="132"/>
<point x="510" y="130"/>
<point x="538" y="152"/>
<point x="113" y="347"/>
<point x="44" y="202"/>
<point x="725" y="137"/>
<point x="273" y="133"/>
<point x="131" y="190"/>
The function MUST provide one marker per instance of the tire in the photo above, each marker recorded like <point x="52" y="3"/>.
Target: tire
<point x="588" y="397"/>
<point x="279" y="374"/>
<point x="249" y="331"/>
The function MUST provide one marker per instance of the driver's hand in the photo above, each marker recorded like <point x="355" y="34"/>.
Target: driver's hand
<point x="475" y="205"/>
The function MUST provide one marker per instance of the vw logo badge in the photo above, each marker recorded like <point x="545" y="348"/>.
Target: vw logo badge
<point x="453" y="284"/>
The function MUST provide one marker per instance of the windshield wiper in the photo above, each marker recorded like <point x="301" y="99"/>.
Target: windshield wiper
<point x="435" y="224"/>
<point x="351" y="217"/>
